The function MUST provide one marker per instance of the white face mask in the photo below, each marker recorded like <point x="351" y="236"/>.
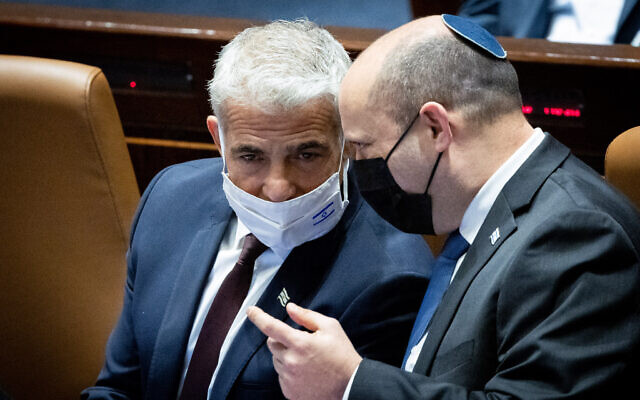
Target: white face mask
<point x="287" y="224"/>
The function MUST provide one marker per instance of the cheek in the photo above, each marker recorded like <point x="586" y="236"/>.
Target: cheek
<point x="246" y="180"/>
<point x="308" y="176"/>
<point x="327" y="167"/>
<point x="408" y="174"/>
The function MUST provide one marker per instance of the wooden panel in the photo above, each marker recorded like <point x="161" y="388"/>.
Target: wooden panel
<point x="579" y="55"/>
<point x="153" y="157"/>
<point x="599" y="82"/>
<point x="435" y="243"/>
<point x="170" y="58"/>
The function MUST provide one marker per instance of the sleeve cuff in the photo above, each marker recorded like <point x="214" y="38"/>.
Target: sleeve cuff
<point x="345" y="396"/>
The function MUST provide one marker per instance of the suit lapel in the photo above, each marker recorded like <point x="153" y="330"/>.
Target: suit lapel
<point x="500" y="219"/>
<point x="168" y="354"/>
<point x="299" y="277"/>
<point x="515" y="195"/>
<point x="626" y="11"/>
<point x="628" y="23"/>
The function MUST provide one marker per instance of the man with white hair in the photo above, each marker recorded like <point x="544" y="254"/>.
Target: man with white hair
<point x="276" y="219"/>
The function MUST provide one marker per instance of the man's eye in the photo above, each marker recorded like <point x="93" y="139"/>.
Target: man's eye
<point x="308" y="156"/>
<point x="248" y="157"/>
<point x="358" y="145"/>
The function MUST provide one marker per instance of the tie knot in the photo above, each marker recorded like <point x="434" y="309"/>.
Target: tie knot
<point x="251" y="250"/>
<point x="455" y="246"/>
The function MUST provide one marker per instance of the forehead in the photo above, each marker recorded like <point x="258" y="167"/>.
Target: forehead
<point x="315" y="120"/>
<point x="362" y="120"/>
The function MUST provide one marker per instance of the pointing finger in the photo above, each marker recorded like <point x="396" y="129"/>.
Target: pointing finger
<point x="272" y="327"/>
<point x="310" y="319"/>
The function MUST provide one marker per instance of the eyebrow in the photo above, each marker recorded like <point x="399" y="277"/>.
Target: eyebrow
<point x="310" y="145"/>
<point x="246" y="148"/>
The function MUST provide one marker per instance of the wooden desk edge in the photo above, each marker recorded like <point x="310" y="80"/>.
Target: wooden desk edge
<point x="224" y="29"/>
<point x="155" y="24"/>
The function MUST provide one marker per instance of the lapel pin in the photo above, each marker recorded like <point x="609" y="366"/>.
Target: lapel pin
<point x="283" y="297"/>
<point x="495" y="236"/>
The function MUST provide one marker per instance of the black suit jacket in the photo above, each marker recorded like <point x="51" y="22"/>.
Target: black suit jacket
<point x="364" y="272"/>
<point x="531" y="18"/>
<point x="550" y="310"/>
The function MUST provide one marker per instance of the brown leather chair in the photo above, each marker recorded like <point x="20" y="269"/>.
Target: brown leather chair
<point x="68" y="194"/>
<point x="622" y="164"/>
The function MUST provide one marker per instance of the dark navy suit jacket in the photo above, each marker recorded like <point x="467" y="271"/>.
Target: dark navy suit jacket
<point x="549" y="310"/>
<point x="531" y="18"/>
<point x="365" y="273"/>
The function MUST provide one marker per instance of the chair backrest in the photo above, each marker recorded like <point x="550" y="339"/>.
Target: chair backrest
<point x="67" y="197"/>
<point x="622" y="164"/>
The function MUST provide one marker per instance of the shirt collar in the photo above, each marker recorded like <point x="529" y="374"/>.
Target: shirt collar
<point x="241" y="231"/>
<point x="479" y="207"/>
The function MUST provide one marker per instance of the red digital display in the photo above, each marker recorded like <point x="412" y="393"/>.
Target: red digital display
<point x="554" y="111"/>
<point x="562" y="112"/>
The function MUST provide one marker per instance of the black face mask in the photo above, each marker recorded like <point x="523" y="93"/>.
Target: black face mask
<point x="408" y="212"/>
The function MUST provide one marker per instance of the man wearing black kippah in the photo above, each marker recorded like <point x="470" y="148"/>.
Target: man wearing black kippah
<point x="536" y="293"/>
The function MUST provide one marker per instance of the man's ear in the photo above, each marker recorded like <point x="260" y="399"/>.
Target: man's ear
<point x="212" y="125"/>
<point x="436" y="117"/>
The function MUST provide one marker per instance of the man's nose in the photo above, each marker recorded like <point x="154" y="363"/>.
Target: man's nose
<point x="277" y="186"/>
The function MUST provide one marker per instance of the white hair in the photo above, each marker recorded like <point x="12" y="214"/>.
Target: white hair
<point x="278" y="67"/>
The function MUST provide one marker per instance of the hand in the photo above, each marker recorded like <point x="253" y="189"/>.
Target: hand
<point x="315" y="365"/>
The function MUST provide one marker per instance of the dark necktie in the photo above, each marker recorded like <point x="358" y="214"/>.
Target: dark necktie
<point x="221" y="314"/>
<point x="453" y="249"/>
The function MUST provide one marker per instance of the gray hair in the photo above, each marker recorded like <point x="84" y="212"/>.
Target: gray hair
<point x="446" y="70"/>
<point x="278" y="67"/>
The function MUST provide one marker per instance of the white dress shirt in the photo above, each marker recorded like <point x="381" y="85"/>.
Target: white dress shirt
<point x="584" y="21"/>
<point x="474" y="217"/>
<point x="265" y="268"/>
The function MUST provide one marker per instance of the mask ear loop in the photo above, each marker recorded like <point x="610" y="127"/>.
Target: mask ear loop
<point x="435" y="166"/>
<point x="345" y="189"/>
<point x="221" y="137"/>
<point x="433" y="171"/>
<point x="413" y="121"/>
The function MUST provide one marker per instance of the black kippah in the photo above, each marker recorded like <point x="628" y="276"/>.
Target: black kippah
<point x="475" y="34"/>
